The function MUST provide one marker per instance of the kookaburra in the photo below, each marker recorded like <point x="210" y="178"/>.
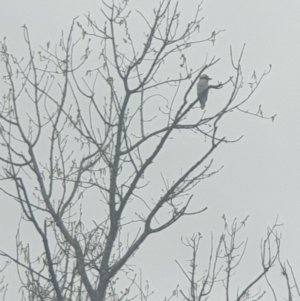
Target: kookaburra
<point x="202" y="89"/>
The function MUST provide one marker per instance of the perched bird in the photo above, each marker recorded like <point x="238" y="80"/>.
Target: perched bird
<point x="202" y="89"/>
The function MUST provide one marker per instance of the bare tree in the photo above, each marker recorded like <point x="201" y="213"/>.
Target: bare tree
<point x="219" y="277"/>
<point x="84" y="125"/>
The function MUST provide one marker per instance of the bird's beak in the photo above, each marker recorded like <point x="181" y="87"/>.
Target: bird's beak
<point x="209" y="78"/>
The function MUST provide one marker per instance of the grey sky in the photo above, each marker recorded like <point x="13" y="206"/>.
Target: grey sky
<point x="261" y="173"/>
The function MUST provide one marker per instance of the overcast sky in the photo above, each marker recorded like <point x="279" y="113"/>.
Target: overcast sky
<point x="260" y="177"/>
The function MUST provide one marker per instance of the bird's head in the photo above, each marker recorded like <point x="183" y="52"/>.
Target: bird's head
<point x="205" y="77"/>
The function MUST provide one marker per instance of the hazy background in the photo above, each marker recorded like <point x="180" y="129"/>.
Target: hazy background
<point x="260" y="177"/>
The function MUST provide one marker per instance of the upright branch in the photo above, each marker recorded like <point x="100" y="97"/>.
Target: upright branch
<point x="224" y="266"/>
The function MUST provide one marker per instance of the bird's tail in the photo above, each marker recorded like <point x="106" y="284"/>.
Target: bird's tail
<point x="202" y="106"/>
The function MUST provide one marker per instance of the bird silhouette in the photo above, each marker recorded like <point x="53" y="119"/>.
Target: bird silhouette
<point x="202" y="89"/>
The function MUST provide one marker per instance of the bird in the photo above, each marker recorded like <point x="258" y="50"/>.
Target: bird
<point x="202" y="89"/>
